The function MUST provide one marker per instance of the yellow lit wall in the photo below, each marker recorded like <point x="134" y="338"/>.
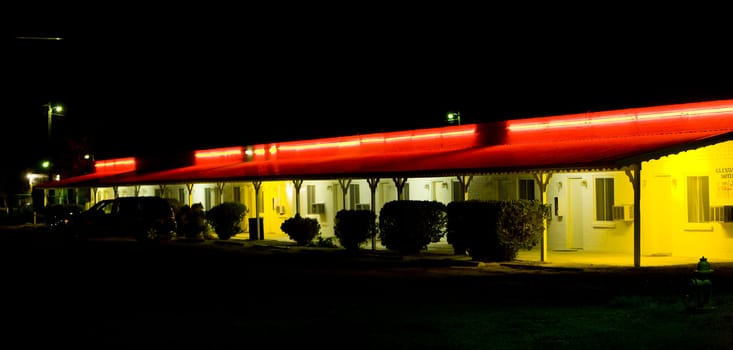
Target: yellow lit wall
<point x="665" y="226"/>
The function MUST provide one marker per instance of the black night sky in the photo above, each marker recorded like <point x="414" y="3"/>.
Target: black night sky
<point x="135" y="81"/>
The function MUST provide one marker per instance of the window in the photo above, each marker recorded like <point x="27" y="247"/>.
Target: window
<point x="182" y="195"/>
<point x="237" y="194"/>
<point x="207" y="198"/>
<point x="526" y="189"/>
<point x="353" y="195"/>
<point x="107" y="207"/>
<point x="698" y="199"/>
<point x="457" y="191"/>
<point x="310" y="197"/>
<point x="604" y="199"/>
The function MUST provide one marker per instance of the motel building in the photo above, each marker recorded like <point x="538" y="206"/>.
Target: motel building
<point x="629" y="187"/>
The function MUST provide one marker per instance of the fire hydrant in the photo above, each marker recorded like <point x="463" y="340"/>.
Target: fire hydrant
<point x="701" y="285"/>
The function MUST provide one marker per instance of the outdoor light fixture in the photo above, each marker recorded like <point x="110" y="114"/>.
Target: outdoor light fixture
<point x="34" y="178"/>
<point x="453" y="118"/>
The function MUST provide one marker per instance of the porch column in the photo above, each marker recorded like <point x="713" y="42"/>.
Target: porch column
<point x="464" y="181"/>
<point x="399" y="182"/>
<point x="189" y="186"/>
<point x="257" y="184"/>
<point x="297" y="183"/>
<point x="220" y="188"/>
<point x="344" y="183"/>
<point x="542" y="180"/>
<point x="373" y="182"/>
<point x="634" y="173"/>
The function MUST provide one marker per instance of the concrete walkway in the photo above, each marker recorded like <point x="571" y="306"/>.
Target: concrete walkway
<point x="571" y="258"/>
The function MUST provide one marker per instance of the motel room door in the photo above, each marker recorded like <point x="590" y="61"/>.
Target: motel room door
<point x="657" y="234"/>
<point x="576" y="213"/>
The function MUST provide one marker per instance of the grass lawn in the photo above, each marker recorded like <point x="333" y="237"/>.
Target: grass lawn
<point x="624" y="323"/>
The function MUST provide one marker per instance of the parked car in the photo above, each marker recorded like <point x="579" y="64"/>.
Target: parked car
<point x="147" y="219"/>
<point x="57" y="216"/>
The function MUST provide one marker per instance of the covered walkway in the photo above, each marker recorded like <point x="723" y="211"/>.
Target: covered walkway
<point x="566" y="258"/>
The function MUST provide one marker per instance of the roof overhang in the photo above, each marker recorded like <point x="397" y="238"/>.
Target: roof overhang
<point x="608" y="140"/>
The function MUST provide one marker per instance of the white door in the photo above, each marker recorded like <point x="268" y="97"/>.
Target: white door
<point x="386" y="192"/>
<point x="657" y="229"/>
<point x="575" y="213"/>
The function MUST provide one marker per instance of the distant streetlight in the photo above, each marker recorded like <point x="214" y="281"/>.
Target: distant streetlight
<point x="46" y="38"/>
<point x="34" y="178"/>
<point x="453" y="118"/>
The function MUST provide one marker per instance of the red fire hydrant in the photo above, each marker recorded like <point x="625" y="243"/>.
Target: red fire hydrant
<point x="701" y="285"/>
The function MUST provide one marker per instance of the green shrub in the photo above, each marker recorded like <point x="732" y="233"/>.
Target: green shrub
<point x="409" y="226"/>
<point x="301" y="230"/>
<point x="521" y="224"/>
<point x="355" y="227"/>
<point x="496" y="230"/>
<point x="465" y="218"/>
<point x="226" y="218"/>
<point x="477" y="229"/>
<point x="192" y="221"/>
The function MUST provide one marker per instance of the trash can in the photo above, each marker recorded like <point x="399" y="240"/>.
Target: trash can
<point x="253" y="229"/>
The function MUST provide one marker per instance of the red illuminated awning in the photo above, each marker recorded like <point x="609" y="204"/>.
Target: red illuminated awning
<point x="194" y="173"/>
<point x="88" y="180"/>
<point x="103" y="170"/>
<point x="602" y="140"/>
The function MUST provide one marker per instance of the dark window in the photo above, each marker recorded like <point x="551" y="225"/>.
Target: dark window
<point x="353" y="195"/>
<point x="604" y="199"/>
<point x="237" y="194"/>
<point x="310" y="197"/>
<point x="698" y="199"/>
<point x="457" y="191"/>
<point x="207" y="198"/>
<point x="526" y="189"/>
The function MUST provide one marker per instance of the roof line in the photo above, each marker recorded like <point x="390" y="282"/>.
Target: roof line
<point x="659" y="153"/>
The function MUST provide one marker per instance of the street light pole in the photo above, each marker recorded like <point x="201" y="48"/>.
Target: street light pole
<point x="51" y="110"/>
